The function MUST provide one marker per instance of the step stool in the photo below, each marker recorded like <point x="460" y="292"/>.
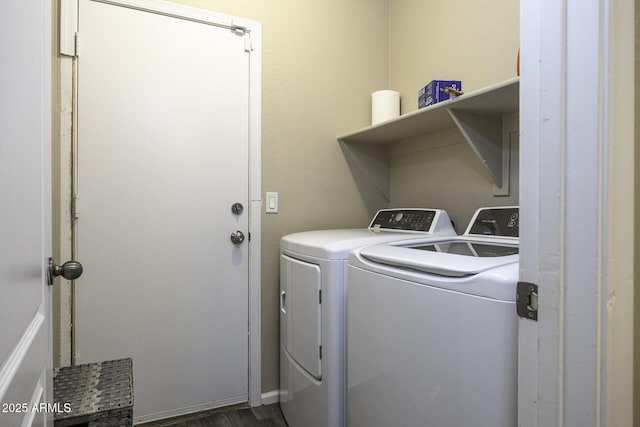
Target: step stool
<point x="98" y="394"/>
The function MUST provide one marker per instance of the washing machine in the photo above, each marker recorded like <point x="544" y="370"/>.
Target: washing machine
<point x="313" y="271"/>
<point x="432" y="328"/>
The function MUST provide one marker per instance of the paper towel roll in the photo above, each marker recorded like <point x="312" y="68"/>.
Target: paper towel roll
<point x="385" y="105"/>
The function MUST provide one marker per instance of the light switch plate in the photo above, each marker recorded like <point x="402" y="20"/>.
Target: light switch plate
<point x="271" y="202"/>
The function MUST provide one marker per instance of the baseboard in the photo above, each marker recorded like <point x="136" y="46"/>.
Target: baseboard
<point x="179" y="412"/>
<point x="270" y="397"/>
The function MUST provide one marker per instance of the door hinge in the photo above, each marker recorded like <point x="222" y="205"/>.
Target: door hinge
<point x="76" y="44"/>
<point x="320" y="296"/>
<point x="320" y="352"/>
<point x="75" y="209"/>
<point x="527" y="300"/>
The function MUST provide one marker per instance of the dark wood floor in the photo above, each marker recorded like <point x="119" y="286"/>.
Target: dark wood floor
<point x="235" y="416"/>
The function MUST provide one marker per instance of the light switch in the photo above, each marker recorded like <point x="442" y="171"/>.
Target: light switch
<point x="272" y="202"/>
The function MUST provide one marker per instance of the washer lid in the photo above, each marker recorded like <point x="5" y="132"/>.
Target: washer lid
<point x="453" y="257"/>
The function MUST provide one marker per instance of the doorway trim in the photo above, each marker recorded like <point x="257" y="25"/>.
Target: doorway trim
<point x="576" y="124"/>
<point x="68" y="29"/>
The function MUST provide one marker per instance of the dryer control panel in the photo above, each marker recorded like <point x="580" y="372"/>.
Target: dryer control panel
<point x="404" y="219"/>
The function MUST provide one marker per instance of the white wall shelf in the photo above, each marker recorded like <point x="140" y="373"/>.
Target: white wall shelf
<point x="478" y="115"/>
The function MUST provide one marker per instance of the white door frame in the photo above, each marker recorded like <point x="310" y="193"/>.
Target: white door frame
<point x="577" y="131"/>
<point x="254" y="29"/>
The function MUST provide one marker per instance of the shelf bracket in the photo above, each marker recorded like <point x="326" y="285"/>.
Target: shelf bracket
<point x="484" y="133"/>
<point x="370" y="164"/>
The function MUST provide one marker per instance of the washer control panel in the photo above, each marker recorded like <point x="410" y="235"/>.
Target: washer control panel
<point x="504" y="222"/>
<point x="404" y="219"/>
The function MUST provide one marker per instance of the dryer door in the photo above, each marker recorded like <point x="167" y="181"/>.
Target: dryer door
<point x="300" y="313"/>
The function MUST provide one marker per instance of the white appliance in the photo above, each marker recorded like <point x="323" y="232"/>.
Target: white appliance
<point x="313" y="269"/>
<point x="432" y="328"/>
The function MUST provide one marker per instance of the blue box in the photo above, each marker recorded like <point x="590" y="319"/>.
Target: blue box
<point x="433" y="92"/>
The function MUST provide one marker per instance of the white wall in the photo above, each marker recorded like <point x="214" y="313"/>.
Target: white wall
<point x="473" y="41"/>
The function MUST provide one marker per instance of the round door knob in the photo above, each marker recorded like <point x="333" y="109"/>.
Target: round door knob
<point x="70" y="270"/>
<point x="237" y="237"/>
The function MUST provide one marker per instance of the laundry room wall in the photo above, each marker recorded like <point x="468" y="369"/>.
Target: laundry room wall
<point x="477" y="43"/>
<point x="321" y="60"/>
<point x="636" y="329"/>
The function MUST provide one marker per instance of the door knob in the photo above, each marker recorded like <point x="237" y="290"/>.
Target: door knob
<point x="70" y="270"/>
<point x="237" y="237"/>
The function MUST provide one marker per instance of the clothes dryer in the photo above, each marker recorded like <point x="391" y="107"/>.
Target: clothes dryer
<point x="313" y="271"/>
<point x="432" y="328"/>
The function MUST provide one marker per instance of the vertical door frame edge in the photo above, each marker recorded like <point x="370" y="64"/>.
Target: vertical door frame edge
<point x="46" y="377"/>
<point x="255" y="212"/>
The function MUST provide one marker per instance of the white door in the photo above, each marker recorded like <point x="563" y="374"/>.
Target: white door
<point x="25" y="120"/>
<point x="162" y="157"/>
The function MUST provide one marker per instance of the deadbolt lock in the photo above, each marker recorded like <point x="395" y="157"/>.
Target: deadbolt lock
<point x="237" y="208"/>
